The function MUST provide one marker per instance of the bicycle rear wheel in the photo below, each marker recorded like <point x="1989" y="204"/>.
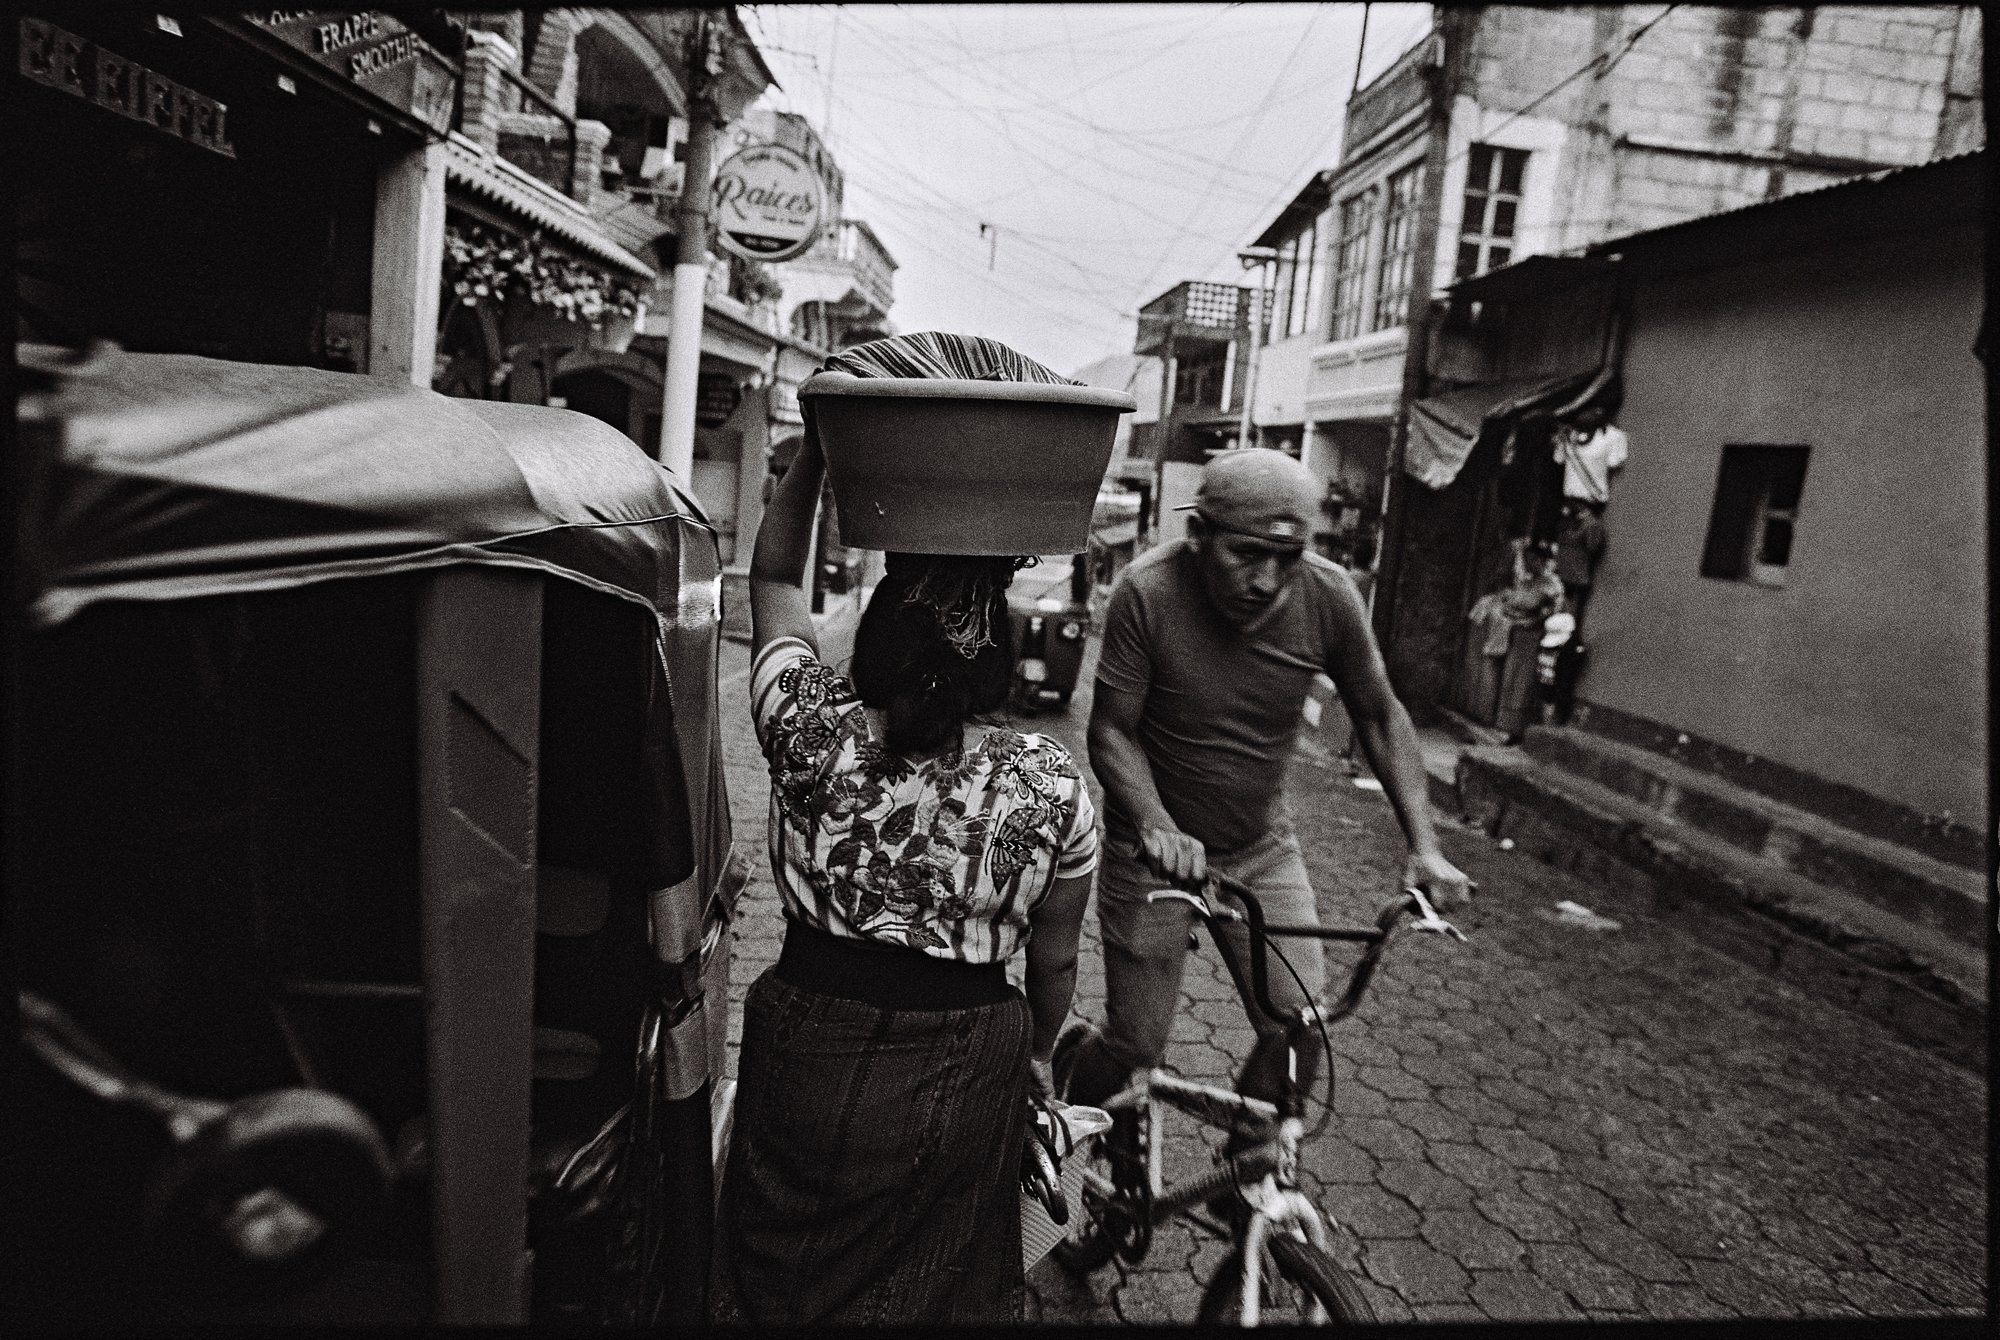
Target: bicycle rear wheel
<point x="1306" y="1287"/>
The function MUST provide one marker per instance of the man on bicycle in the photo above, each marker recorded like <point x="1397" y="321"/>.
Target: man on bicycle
<point x="1210" y="648"/>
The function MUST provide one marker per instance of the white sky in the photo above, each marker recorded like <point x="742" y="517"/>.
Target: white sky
<point x="1118" y="148"/>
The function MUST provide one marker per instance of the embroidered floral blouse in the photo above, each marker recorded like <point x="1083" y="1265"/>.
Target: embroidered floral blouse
<point x="948" y="856"/>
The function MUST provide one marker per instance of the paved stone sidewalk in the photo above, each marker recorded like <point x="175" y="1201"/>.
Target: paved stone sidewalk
<point x="1549" y="1122"/>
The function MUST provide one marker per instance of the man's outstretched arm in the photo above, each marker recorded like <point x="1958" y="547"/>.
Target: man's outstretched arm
<point x="1120" y="763"/>
<point x="1388" y="739"/>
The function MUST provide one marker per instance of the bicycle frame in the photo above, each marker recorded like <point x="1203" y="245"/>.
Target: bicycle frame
<point x="1266" y="1177"/>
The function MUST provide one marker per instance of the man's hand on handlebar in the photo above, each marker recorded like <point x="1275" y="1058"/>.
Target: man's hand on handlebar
<point x="1442" y="882"/>
<point x="1173" y="855"/>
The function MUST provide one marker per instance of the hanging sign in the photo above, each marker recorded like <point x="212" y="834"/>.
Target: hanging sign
<point x="768" y="203"/>
<point x="61" y="60"/>
<point x="716" y="397"/>
<point x="374" y="51"/>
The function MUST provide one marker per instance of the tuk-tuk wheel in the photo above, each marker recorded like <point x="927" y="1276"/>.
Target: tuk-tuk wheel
<point x="274" y="1182"/>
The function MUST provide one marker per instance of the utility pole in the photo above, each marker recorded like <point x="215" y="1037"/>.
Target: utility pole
<point x="1417" y="323"/>
<point x="1261" y="257"/>
<point x="691" y="253"/>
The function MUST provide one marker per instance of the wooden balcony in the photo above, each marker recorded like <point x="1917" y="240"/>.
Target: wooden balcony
<point x="1195" y="309"/>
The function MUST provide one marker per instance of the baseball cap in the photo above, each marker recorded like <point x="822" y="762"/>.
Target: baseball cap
<point x="1258" y="492"/>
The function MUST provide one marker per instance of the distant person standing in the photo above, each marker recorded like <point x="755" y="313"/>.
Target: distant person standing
<point x="1589" y="448"/>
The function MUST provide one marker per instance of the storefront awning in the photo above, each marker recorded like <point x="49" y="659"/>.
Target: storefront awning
<point x="1443" y="428"/>
<point x="495" y="179"/>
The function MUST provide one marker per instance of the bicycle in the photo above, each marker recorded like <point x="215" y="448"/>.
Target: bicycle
<point x="1282" y="1253"/>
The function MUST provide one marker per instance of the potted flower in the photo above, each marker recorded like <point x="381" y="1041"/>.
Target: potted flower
<point x="547" y="297"/>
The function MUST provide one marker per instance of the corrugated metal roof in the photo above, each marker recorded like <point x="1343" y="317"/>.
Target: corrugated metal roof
<point x="1861" y="182"/>
<point x="1532" y="273"/>
<point x="487" y="174"/>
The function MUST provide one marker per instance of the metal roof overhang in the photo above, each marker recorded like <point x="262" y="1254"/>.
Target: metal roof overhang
<point x="1306" y="206"/>
<point x="1922" y="195"/>
<point x="1530" y="277"/>
<point x="493" y="178"/>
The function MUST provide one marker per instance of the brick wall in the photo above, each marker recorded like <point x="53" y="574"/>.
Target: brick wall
<point x="538" y="145"/>
<point x="1520" y="52"/>
<point x="552" y="62"/>
<point x="487" y="56"/>
<point x="1772" y="100"/>
<point x="507" y="24"/>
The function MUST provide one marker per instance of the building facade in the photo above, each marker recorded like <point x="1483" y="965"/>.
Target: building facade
<point x="1787" y="663"/>
<point x="1798" y="559"/>
<point x="567" y="165"/>
<point x="265" y="187"/>
<point x="1199" y="335"/>
<point x="1510" y="131"/>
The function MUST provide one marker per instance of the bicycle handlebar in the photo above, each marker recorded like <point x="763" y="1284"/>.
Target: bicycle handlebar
<point x="1376" y="939"/>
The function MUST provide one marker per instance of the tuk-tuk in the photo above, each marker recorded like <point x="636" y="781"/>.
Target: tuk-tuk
<point x="1050" y="631"/>
<point x="371" y="861"/>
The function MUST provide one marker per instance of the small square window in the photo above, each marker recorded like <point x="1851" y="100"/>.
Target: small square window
<point x="1751" y="528"/>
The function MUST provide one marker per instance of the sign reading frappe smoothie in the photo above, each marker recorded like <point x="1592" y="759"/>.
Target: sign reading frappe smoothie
<point x="375" y="51"/>
<point x="768" y="203"/>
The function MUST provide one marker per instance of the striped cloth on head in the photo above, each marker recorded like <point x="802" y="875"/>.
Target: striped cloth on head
<point x="934" y="354"/>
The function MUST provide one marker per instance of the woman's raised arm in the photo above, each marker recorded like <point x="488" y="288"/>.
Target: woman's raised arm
<point x="779" y="603"/>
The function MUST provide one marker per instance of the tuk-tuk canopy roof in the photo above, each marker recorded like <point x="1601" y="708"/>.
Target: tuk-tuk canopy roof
<point x="167" y="476"/>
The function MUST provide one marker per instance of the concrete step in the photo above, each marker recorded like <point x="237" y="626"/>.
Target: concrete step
<point x="1905" y="884"/>
<point x="1927" y="986"/>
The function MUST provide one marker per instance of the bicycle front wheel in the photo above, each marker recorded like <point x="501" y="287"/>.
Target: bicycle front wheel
<point x="1299" y="1285"/>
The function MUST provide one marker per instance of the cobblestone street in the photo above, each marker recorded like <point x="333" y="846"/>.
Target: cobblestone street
<point x="1548" y="1122"/>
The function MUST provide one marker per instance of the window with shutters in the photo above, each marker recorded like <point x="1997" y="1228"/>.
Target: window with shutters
<point x="1756" y="513"/>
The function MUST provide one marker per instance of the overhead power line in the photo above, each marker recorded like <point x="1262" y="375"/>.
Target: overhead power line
<point x="1603" y="62"/>
<point x="956" y="101"/>
<point x="1262" y="106"/>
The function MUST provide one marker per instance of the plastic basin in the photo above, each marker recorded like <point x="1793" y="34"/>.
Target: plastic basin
<point x="940" y="466"/>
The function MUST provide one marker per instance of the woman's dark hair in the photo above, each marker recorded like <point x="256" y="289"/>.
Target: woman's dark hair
<point x="935" y="646"/>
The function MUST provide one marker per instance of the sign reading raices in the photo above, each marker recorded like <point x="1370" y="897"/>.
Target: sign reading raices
<point x="768" y="203"/>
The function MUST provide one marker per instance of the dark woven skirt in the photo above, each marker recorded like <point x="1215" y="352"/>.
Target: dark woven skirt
<point x="874" y="1171"/>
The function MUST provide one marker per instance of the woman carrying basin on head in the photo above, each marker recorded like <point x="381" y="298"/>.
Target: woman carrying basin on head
<point x="873" y="1174"/>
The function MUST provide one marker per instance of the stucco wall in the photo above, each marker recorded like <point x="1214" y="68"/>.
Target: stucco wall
<point x="1868" y="666"/>
<point x="1284" y="370"/>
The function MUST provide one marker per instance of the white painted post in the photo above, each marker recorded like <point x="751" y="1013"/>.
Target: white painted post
<point x="408" y="267"/>
<point x="690" y="270"/>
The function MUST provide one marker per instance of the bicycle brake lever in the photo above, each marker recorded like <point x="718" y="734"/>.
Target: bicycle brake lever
<point x="1430" y="920"/>
<point x="1198" y="902"/>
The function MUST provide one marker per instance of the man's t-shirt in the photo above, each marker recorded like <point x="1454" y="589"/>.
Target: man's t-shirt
<point x="1222" y="706"/>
